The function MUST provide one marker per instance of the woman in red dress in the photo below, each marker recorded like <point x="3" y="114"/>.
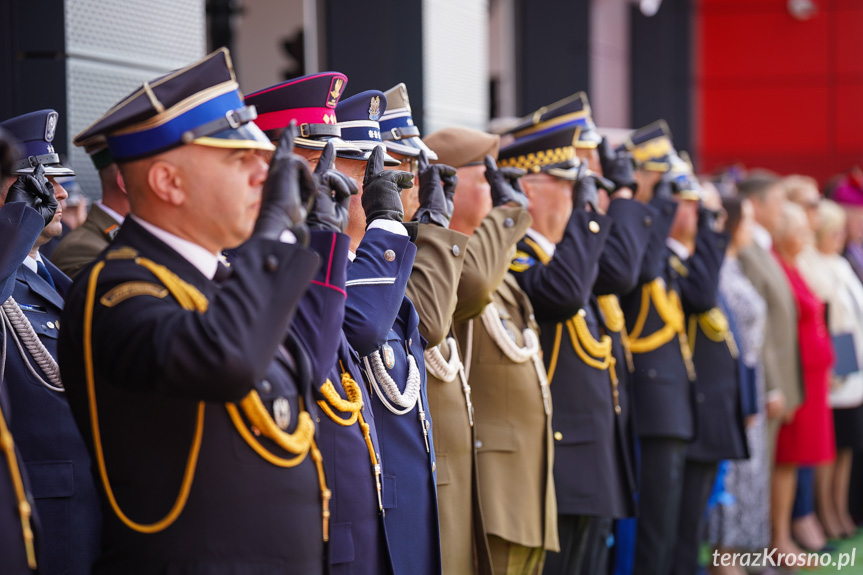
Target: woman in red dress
<point x="807" y="437"/>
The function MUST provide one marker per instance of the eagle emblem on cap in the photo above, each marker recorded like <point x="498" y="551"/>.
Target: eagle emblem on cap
<point x="335" y="91"/>
<point x="50" y="126"/>
<point x="375" y="108"/>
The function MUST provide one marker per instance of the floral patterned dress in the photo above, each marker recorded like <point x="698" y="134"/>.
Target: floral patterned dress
<point x="744" y="522"/>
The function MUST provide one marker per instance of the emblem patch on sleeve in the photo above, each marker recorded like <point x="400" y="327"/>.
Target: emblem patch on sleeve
<point x="122" y="292"/>
<point x="521" y="262"/>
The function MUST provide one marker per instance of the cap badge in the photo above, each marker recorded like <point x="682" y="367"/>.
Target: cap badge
<point x="389" y="356"/>
<point x="335" y="91"/>
<point x="50" y="126"/>
<point x="375" y="109"/>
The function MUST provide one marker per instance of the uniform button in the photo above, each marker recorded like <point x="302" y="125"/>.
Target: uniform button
<point x="57" y="324"/>
<point x="478" y="444"/>
<point x="508" y="223"/>
<point x="266" y="386"/>
<point x="558" y="436"/>
<point x="389" y="255"/>
<point x="455" y="250"/>
<point x="582" y="313"/>
<point x="699" y="398"/>
<point x="410" y="341"/>
<point x="593" y="226"/>
<point x="648" y="221"/>
<point x="271" y="263"/>
<point x="50" y="325"/>
<point x="651" y="373"/>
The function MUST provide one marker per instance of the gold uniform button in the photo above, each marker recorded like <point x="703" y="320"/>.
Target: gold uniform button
<point x="389" y="255"/>
<point x="558" y="436"/>
<point x="593" y="226"/>
<point x="50" y="325"/>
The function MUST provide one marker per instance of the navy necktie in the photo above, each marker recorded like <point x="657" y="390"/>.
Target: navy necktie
<point x="43" y="273"/>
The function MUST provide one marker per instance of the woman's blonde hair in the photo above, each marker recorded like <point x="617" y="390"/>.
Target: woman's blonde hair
<point x="831" y="218"/>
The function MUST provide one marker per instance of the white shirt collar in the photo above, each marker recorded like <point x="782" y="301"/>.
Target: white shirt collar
<point x="31" y="262"/>
<point x="678" y="248"/>
<point x="117" y="217"/>
<point x="762" y="236"/>
<point x="207" y="262"/>
<point x="543" y="241"/>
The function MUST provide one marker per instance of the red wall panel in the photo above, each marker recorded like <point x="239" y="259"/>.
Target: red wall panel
<point x="772" y="91"/>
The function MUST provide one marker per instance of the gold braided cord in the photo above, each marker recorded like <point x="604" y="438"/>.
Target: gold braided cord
<point x="692" y="332"/>
<point x="352" y="405"/>
<point x="667" y="304"/>
<point x="297" y="442"/>
<point x="714" y="325"/>
<point x="555" y="352"/>
<point x="326" y="494"/>
<point x="599" y="349"/>
<point x="614" y="318"/>
<point x="190" y="298"/>
<point x="7" y="445"/>
<point x="194" y="450"/>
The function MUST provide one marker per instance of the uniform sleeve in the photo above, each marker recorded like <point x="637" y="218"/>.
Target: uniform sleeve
<point x="376" y="282"/>
<point x="434" y="280"/>
<point x="699" y="287"/>
<point x="488" y="258"/>
<point x="653" y="263"/>
<point x="321" y="311"/>
<point x="77" y="250"/>
<point x="20" y="226"/>
<point x="149" y="343"/>
<point x="620" y="261"/>
<point x="560" y="288"/>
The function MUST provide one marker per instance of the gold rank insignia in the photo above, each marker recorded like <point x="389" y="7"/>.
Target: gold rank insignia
<point x="335" y="91"/>
<point x="124" y="291"/>
<point x="678" y="266"/>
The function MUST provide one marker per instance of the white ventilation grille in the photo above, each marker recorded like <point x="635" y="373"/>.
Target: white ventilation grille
<point x="112" y="47"/>
<point x="455" y="64"/>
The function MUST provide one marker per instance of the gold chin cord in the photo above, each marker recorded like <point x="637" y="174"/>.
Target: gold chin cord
<point x="301" y="442"/>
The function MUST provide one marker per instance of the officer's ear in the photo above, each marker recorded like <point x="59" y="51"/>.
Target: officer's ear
<point x="166" y="182"/>
<point x="121" y="183"/>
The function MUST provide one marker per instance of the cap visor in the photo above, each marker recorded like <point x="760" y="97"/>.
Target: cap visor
<point x="55" y="170"/>
<point x="338" y="144"/>
<point x="367" y="148"/>
<point x="248" y="136"/>
<point x="410" y="147"/>
<point x="588" y="139"/>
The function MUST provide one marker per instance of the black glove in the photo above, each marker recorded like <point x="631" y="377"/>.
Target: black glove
<point x="287" y="195"/>
<point x="706" y="217"/>
<point x="7" y="153"/>
<point x="505" y="185"/>
<point x="584" y="190"/>
<point x="333" y="196"/>
<point x="437" y="188"/>
<point x="36" y="191"/>
<point x="617" y="166"/>
<point x="663" y="189"/>
<point x="382" y="189"/>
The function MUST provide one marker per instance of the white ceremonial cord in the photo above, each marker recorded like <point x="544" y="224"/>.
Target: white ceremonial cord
<point x="442" y="369"/>
<point x="381" y="379"/>
<point x="21" y="329"/>
<point x="494" y="326"/>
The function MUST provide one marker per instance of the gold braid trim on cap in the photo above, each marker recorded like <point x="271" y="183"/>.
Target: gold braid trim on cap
<point x="535" y="160"/>
<point x="300" y="442"/>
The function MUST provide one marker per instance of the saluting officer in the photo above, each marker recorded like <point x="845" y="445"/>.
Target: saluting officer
<point x="348" y="435"/>
<point x="720" y="428"/>
<point x="83" y="244"/>
<point x="22" y="219"/>
<point x="178" y="364"/>
<point x="488" y="208"/>
<point x="50" y="444"/>
<point x="556" y="266"/>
